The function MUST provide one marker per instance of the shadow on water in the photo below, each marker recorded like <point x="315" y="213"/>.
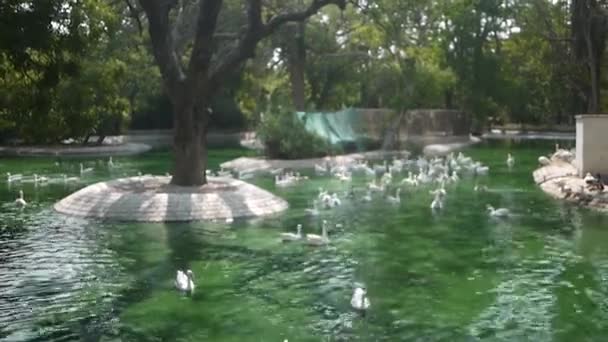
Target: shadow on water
<point x="183" y="245"/>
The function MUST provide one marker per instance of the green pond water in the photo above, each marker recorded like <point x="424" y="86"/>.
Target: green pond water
<point x="458" y="275"/>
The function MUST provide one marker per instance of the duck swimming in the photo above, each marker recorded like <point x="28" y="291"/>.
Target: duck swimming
<point x="510" y="160"/>
<point x="500" y="212"/>
<point x="286" y="237"/>
<point x="184" y="281"/>
<point x="395" y="199"/>
<point x="20" y="202"/>
<point x="437" y="203"/>
<point x="359" y="300"/>
<point x="318" y="240"/>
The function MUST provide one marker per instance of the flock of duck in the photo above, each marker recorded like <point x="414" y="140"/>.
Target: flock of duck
<point x="593" y="187"/>
<point x="386" y="180"/>
<point x="39" y="180"/>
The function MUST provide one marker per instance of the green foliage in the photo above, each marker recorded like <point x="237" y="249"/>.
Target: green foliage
<point x="69" y="71"/>
<point x="284" y="136"/>
<point x="62" y="77"/>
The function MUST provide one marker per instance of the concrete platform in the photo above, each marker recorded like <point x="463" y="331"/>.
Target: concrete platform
<point x="443" y="149"/>
<point x="555" y="170"/>
<point x="550" y="178"/>
<point x="261" y="165"/>
<point x="153" y="199"/>
<point x="75" y="150"/>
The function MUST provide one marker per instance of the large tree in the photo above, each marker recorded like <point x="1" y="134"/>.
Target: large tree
<point x="191" y="85"/>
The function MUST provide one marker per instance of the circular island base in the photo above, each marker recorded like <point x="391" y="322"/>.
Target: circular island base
<point x="154" y="199"/>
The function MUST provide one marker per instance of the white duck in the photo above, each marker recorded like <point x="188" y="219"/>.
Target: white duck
<point x="386" y="179"/>
<point x="344" y="176"/>
<point x="224" y="173"/>
<point x="510" y="160"/>
<point x="454" y="177"/>
<point x="589" y="179"/>
<point x="380" y="169"/>
<point x="410" y="180"/>
<point x="286" y="237"/>
<point x="277" y="171"/>
<point x="335" y="201"/>
<point x="184" y="281"/>
<point x="480" y="188"/>
<point x="245" y="175"/>
<point x="40" y="179"/>
<point x="359" y="300"/>
<point x="83" y="170"/>
<point x="314" y="211"/>
<point x="67" y="179"/>
<point x="437" y="203"/>
<point x="373" y="186"/>
<point x="481" y="170"/>
<point x="544" y="161"/>
<point x="423" y="178"/>
<point x="110" y="162"/>
<point x="369" y="172"/>
<point x="500" y="212"/>
<point x="395" y="199"/>
<point x="283" y="181"/>
<point x="321" y="170"/>
<point x="13" y="178"/>
<point x="20" y="202"/>
<point x="562" y="154"/>
<point x="318" y="240"/>
<point x="322" y="193"/>
<point x="439" y="192"/>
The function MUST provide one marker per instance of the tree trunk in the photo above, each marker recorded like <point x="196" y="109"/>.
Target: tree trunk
<point x="86" y="139"/>
<point x="596" y="42"/>
<point x="296" y="75"/>
<point x="100" y="139"/>
<point x="448" y="96"/>
<point x="190" y="145"/>
<point x="594" y="96"/>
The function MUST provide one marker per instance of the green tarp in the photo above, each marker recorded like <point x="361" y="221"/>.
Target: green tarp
<point x="335" y="127"/>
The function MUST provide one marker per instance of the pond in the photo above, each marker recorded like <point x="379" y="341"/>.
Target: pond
<point x="455" y="276"/>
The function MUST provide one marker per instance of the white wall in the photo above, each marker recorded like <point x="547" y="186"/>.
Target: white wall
<point x="592" y="144"/>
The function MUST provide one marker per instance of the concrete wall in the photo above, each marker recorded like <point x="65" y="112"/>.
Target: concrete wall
<point x="159" y="138"/>
<point x="433" y="125"/>
<point x="449" y="122"/>
<point x="592" y="144"/>
<point x="419" y="122"/>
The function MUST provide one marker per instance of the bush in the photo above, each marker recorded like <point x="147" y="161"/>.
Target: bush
<point x="285" y="137"/>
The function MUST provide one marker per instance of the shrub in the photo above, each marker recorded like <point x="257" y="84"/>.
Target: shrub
<point x="285" y="137"/>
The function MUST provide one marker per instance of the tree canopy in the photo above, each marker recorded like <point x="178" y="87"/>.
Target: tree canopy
<point x="73" y="68"/>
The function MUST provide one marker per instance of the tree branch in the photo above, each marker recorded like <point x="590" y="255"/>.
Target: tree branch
<point x="134" y="14"/>
<point x="256" y="30"/>
<point x="203" y="42"/>
<point x="312" y="9"/>
<point x="162" y="44"/>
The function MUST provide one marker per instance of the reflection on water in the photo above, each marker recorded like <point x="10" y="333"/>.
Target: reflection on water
<point x="457" y="275"/>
